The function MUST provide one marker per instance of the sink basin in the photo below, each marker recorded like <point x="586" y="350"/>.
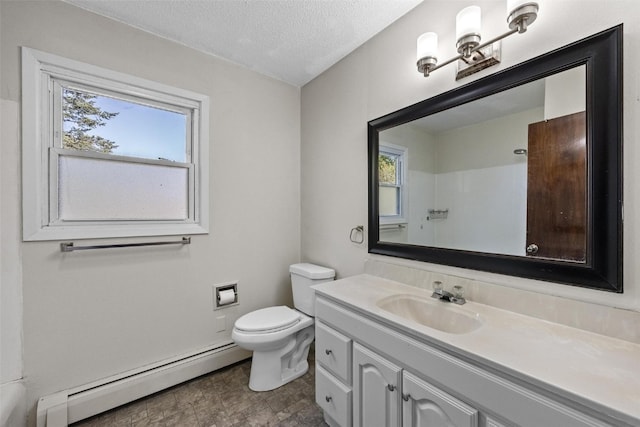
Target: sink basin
<point x="429" y="312"/>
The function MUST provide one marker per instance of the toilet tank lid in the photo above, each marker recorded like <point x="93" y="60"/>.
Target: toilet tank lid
<point x="312" y="271"/>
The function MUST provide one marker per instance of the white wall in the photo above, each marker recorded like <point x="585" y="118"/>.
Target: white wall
<point x="10" y="268"/>
<point x="92" y="314"/>
<point x="422" y="193"/>
<point x="487" y="209"/>
<point x="381" y="77"/>
<point x="484" y="185"/>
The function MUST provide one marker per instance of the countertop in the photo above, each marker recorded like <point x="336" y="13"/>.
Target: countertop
<point x="597" y="370"/>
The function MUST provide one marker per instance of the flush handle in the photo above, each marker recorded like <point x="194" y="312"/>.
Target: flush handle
<point x="532" y="249"/>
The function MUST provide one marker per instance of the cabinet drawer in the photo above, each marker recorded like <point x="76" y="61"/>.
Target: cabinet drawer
<point x="333" y="397"/>
<point x="333" y="351"/>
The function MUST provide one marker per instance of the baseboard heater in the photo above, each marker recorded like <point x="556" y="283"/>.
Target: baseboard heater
<point x="69" y="406"/>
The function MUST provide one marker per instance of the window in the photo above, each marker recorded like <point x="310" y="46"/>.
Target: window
<point x="391" y="178"/>
<point x="110" y="155"/>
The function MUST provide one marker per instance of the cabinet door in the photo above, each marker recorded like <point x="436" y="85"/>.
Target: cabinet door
<point x="426" y="406"/>
<point x="376" y="398"/>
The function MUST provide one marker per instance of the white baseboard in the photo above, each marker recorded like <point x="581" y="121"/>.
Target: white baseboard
<point x="69" y="406"/>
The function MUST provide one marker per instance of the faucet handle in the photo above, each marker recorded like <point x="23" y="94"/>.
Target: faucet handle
<point x="457" y="291"/>
<point x="458" y="295"/>
<point x="437" y="287"/>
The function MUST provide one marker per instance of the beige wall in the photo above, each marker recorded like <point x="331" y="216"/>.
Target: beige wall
<point x="564" y="93"/>
<point x="420" y="146"/>
<point x="10" y="267"/>
<point x="380" y="77"/>
<point x="93" y="314"/>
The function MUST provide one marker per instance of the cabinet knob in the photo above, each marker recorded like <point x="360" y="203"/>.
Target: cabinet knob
<point x="391" y="387"/>
<point x="328" y="352"/>
<point x="328" y="398"/>
<point x="406" y="397"/>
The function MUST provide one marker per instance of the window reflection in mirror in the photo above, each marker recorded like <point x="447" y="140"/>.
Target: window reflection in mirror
<point x="509" y="170"/>
<point x="392" y="186"/>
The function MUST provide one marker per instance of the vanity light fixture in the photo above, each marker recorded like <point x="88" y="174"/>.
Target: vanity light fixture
<point x="472" y="55"/>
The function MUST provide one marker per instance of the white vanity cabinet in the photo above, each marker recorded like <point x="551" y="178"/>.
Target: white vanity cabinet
<point x="401" y="380"/>
<point x="385" y="395"/>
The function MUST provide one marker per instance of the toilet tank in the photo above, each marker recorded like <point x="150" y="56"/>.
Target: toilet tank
<point x="303" y="276"/>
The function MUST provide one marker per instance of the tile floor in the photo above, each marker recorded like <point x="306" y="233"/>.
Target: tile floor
<point x="221" y="399"/>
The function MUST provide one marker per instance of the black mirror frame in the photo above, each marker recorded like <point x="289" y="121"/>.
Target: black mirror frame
<point x="602" y="55"/>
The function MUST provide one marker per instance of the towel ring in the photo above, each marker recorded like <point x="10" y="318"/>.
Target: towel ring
<point x="357" y="229"/>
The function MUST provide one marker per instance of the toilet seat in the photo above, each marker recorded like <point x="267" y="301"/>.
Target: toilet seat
<point x="268" y="320"/>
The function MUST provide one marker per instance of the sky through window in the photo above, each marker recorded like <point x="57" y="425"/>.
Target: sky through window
<point x="141" y="131"/>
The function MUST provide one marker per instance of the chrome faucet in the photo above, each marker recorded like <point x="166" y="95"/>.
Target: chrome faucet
<point x="456" y="296"/>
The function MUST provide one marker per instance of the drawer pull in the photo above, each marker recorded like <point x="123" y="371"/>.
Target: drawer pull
<point x="406" y="397"/>
<point x="328" y="352"/>
<point x="391" y="387"/>
<point x="328" y="398"/>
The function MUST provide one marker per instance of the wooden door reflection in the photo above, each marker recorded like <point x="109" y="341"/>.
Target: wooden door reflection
<point x="557" y="188"/>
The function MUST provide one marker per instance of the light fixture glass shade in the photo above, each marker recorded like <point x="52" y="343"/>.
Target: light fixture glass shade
<point x="427" y="46"/>
<point x="515" y="4"/>
<point x="468" y="22"/>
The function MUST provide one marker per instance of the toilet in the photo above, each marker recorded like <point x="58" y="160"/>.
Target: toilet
<point x="280" y="336"/>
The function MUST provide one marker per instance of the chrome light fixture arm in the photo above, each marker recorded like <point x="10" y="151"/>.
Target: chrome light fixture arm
<point x="429" y="64"/>
<point x="518" y="20"/>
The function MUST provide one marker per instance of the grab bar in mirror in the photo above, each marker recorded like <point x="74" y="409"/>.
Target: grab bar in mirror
<point x="391" y="226"/>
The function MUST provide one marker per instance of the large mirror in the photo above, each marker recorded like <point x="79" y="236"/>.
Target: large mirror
<point x="518" y="173"/>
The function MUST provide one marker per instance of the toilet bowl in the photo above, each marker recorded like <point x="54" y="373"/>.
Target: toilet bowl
<point x="280" y="336"/>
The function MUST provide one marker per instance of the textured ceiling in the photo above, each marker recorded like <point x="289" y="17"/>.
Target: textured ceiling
<point x="291" y="40"/>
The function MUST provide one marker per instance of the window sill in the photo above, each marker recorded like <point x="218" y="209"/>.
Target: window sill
<point x="108" y="231"/>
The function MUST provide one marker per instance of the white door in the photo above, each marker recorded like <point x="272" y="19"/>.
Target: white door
<point x="426" y="406"/>
<point x="376" y="397"/>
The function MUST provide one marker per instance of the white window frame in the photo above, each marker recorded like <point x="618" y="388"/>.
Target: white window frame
<point x="402" y="154"/>
<point x="40" y="73"/>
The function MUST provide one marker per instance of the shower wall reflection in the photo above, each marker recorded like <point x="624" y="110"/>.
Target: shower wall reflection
<point x="464" y="187"/>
